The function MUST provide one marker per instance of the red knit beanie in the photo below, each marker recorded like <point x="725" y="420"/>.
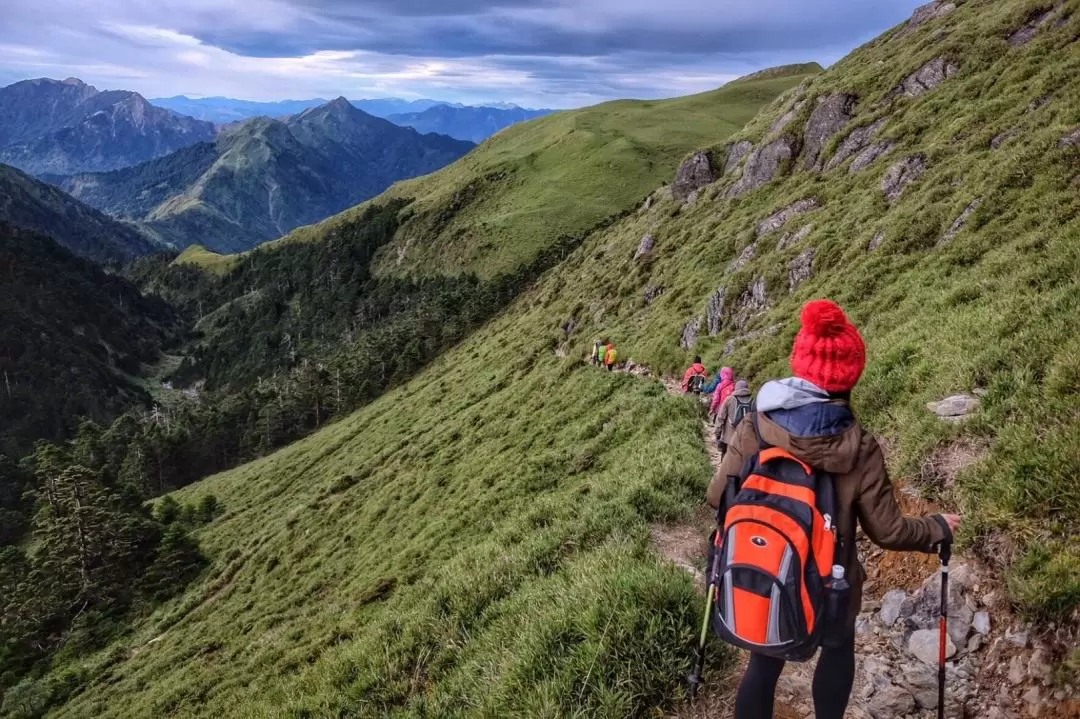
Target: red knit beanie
<point x="829" y="350"/>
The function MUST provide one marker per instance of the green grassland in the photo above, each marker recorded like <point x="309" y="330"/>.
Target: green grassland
<point x="208" y="260"/>
<point x="522" y="189"/>
<point x="475" y="542"/>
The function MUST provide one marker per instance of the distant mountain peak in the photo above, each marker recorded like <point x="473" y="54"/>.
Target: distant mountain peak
<point x="73" y="81"/>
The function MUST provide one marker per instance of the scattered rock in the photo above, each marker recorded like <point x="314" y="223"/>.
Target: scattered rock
<point x="960" y="221"/>
<point x="763" y="165"/>
<point x="975" y="643"/>
<point x="714" y="311"/>
<point x="1039" y="667"/>
<point x="1004" y="137"/>
<point x="735" y="153"/>
<point x="870" y="155"/>
<point x="1017" y="672"/>
<point x="751" y="303"/>
<point x="1039" y="102"/>
<point x="1027" y="33"/>
<point x="981" y="623"/>
<point x="784" y="120"/>
<point x="652" y="292"/>
<point x="876" y="240"/>
<point x="781" y="217"/>
<point x="1017" y="637"/>
<point x="1034" y="701"/>
<point x="695" y="172"/>
<point x="648" y="204"/>
<point x="690" y="333"/>
<point x="891" y="702"/>
<point x="693" y="197"/>
<point x="924" y="14"/>
<point x="645" y="247"/>
<point x="1071" y="140"/>
<point x="795" y="238"/>
<point x="956" y="408"/>
<point x="902" y="174"/>
<point x="927" y="608"/>
<point x="734" y="342"/>
<point x="921" y="681"/>
<point x="830" y="116"/>
<point x="854" y="142"/>
<point x="890" y="606"/>
<point x="743" y="259"/>
<point x="801" y="268"/>
<point x="923" y="644"/>
<point x="927" y="77"/>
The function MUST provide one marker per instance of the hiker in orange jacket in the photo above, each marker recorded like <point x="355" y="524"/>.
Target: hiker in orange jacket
<point x="610" y="356"/>
<point x="696" y="370"/>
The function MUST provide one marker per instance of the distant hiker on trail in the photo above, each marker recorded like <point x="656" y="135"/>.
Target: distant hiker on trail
<point x="722" y="391"/>
<point x="597" y="353"/>
<point x="694" y="378"/>
<point x="610" y="356"/>
<point x="733" y="411"/>
<point x="803" y="448"/>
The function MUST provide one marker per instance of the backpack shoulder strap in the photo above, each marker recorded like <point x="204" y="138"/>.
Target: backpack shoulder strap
<point x="762" y="444"/>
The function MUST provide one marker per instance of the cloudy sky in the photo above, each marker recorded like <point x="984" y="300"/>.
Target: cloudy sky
<point x="551" y="53"/>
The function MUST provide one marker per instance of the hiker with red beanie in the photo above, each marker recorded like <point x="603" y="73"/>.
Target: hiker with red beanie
<point x="809" y="416"/>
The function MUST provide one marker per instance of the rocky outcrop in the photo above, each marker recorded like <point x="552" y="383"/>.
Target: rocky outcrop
<point x="1071" y="140"/>
<point x="955" y="409"/>
<point x="960" y="221"/>
<point x="714" y="311"/>
<point x="781" y="217"/>
<point x="927" y="77"/>
<point x="751" y="303"/>
<point x="695" y="172"/>
<point x="831" y="115"/>
<point x="794" y="238"/>
<point x="1002" y="138"/>
<point x="1040" y="102"/>
<point x="645" y="248"/>
<point x="902" y="174"/>
<point x="784" y="120"/>
<point x="1027" y="33"/>
<point x="652" y="292"/>
<point x="870" y="155"/>
<point x="691" y="331"/>
<point x="732" y="344"/>
<point x="876" y="240"/>
<point x="801" y="268"/>
<point x="743" y="259"/>
<point x="763" y="165"/>
<point x="924" y="14"/>
<point x="856" y="140"/>
<point x="736" y="151"/>
<point x="569" y="326"/>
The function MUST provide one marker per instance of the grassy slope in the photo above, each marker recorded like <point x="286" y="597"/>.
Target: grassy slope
<point x="494" y="209"/>
<point x="208" y="260"/>
<point x="504" y="494"/>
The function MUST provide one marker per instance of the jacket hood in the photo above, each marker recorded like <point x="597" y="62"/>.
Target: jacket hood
<point x="726" y="374"/>
<point x="742" y="392"/>
<point x="801" y="417"/>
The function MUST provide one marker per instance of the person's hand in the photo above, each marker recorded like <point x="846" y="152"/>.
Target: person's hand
<point x="953" y="520"/>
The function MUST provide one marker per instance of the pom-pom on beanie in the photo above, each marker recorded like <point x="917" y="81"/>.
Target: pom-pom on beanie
<point x="828" y="350"/>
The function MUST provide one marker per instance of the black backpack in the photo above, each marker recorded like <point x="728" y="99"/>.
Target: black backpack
<point x="741" y="410"/>
<point x="697" y="383"/>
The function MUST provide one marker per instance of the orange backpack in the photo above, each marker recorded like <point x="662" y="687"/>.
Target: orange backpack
<point x="773" y="555"/>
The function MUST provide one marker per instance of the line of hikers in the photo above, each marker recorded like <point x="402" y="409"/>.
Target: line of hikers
<point x="798" y="474"/>
<point x="604" y="354"/>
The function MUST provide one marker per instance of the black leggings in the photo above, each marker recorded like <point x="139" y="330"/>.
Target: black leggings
<point x="833" y="677"/>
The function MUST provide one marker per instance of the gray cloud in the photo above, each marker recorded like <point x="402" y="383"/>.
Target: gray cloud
<point x="560" y="52"/>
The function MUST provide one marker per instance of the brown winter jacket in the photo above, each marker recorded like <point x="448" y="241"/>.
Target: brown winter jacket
<point x="863" y="490"/>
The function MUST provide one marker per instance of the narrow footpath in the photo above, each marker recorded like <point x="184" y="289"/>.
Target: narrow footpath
<point x="998" y="668"/>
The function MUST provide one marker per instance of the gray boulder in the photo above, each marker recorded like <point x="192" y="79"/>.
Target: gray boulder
<point x="736" y="151"/>
<point x="856" y="140"/>
<point x="927" y="77"/>
<point x="923" y="645"/>
<point x="927" y="609"/>
<point x="652" y="292"/>
<point x="781" y="217"/>
<point x="1001" y="138"/>
<point x="732" y="344"/>
<point x="955" y="408"/>
<point x="831" y="115"/>
<point x="695" y="172"/>
<point x="891" y="702"/>
<point x="691" y="331"/>
<point x="876" y="240"/>
<point x="902" y="174"/>
<point x="784" y="120"/>
<point x="794" y="238"/>
<point x="981" y="623"/>
<point x="924" y="14"/>
<point x="870" y="155"/>
<point x="1071" y="140"/>
<point x="763" y="165"/>
<point x="961" y="221"/>
<point x="1027" y="33"/>
<point x="744" y="258"/>
<point x="714" y="311"/>
<point x="645" y="247"/>
<point x="890" y="606"/>
<point x="801" y="268"/>
<point x="752" y="302"/>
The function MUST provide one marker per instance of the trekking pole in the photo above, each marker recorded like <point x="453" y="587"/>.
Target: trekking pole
<point x="695" y="680"/>
<point x="945" y="553"/>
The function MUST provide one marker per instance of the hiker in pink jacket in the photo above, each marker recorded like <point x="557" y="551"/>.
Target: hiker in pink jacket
<point x="723" y="391"/>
